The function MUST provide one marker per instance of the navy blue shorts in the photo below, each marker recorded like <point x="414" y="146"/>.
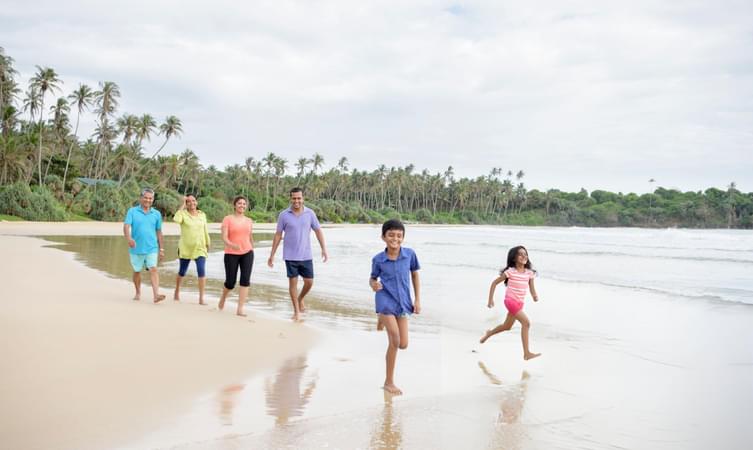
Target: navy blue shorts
<point x="304" y="269"/>
<point x="200" y="266"/>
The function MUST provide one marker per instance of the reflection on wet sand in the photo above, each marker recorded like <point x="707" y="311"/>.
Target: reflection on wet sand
<point x="228" y="398"/>
<point x="389" y="433"/>
<point x="509" y="433"/>
<point x="284" y="397"/>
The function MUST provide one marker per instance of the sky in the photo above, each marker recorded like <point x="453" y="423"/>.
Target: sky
<point x="592" y="94"/>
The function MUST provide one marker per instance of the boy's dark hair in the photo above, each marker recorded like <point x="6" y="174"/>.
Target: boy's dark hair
<point x="392" y="224"/>
<point x="296" y="189"/>
<point x="511" y="256"/>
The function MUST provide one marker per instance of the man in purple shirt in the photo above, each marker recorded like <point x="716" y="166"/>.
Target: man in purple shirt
<point x="297" y="222"/>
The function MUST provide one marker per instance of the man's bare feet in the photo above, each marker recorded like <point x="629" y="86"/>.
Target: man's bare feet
<point x="301" y="306"/>
<point x="392" y="389"/>
<point x="528" y="356"/>
<point x="296" y="318"/>
<point x="159" y="298"/>
<point x="485" y="336"/>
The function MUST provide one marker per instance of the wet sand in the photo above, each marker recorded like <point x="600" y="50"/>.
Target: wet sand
<point x="84" y="366"/>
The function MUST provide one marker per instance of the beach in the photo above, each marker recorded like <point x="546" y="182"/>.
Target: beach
<point x="638" y="351"/>
<point x="84" y="366"/>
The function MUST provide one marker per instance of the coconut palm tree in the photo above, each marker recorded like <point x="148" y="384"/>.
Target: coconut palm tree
<point x="145" y="128"/>
<point x="171" y="127"/>
<point x="82" y="98"/>
<point x="8" y="87"/>
<point x="60" y="126"/>
<point x="106" y="99"/>
<point x="317" y="161"/>
<point x="127" y="126"/>
<point x="46" y="79"/>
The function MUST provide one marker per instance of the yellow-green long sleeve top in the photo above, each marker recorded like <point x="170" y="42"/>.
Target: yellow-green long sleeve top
<point x="194" y="234"/>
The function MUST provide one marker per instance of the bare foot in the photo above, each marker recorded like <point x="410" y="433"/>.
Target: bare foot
<point x="221" y="304"/>
<point x="392" y="389"/>
<point x="296" y="318"/>
<point x="137" y="297"/>
<point x="485" y="336"/>
<point x="202" y="302"/>
<point x="159" y="298"/>
<point x="241" y="313"/>
<point x="176" y="297"/>
<point x="528" y="356"/>
<point x="301" y="306"/>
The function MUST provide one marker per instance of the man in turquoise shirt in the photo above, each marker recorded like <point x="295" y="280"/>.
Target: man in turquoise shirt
<point x="142" y="229"/>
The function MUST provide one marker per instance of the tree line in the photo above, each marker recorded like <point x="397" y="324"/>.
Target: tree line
<point x="49" y="172"/>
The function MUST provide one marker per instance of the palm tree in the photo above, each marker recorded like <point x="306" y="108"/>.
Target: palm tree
<point x="82" y="98"/>
<point x="107" y="103"/>
<point x="13" y="161"/>
<point x="316" y="162"/>
<point x="60" y="126"/>
<point x="8" y="88"/>
<point x="146" y="126"/>
<point x="127" y="125"/>
<point x="44" y="80"/>
<point x="301" y="165"/>
<point x="171" y="127"/>
<point x="31" y="103"/>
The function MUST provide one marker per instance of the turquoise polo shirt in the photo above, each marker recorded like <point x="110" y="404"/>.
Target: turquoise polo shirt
<point x="144" y="227"/>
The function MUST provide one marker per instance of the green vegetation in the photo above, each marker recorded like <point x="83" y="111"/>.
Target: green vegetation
<point x="100" y="176"/>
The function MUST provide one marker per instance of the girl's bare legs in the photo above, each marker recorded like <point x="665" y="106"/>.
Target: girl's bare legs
<point x="397" y="335"/>
<point x="202" y="285"/>
<point x="506" y="325"/>
<point x="176" y="294"/>
<point x="242" y="294"/>
<point x="225" y="292"/>
<point x="525" y="328"/>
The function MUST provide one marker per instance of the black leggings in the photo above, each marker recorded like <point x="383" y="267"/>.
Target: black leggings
<point x="246" y="263"/>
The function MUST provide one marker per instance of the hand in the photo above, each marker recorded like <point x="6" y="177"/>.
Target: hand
<point x="234" y="246"/>
<point x="491" y="303"/>
<point x="417" y="307"/>
<point x="325" y="257"/>
<point x="131" y="243"/>
<point x="376" y="286"/>
<point x="270" y="261"/>
<point x="161" y="254"/>
<point x="183" y="202"/>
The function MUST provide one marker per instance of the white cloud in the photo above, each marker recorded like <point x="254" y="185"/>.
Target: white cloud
<point x="593" y="94"/>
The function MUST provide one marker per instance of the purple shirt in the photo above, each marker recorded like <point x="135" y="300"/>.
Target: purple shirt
<point x="296" y="245"/>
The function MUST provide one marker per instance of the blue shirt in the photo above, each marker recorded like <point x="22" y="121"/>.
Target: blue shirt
<point x="296" y="246"/>
<point x="394" y="298"/>
<point x="144" y="227"/>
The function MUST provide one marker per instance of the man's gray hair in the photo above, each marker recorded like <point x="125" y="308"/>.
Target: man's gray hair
<point x="147" y="191"/>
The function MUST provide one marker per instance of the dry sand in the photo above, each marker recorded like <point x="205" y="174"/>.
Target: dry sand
<point x="84" y="366"/>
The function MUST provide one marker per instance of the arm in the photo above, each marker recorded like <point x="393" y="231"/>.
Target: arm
<point x="499" y="279"/>
<point x="161" y="244"/>
<point x="534" y="294"/>
<point x="275" y="243"/>
<point x="127" y="235"/>
<point x="206" y="233"/>
<point x="251" y="233"/>
<point x="320" y="238"/>
<point x="416" y="292"/>
<point x="374" y="283"/>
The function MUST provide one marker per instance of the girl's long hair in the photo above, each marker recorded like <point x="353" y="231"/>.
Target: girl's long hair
<point x="511" y="255"/>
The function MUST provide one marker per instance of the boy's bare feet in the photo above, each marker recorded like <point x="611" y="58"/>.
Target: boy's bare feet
<point x="528" y="356"/>
<point x="392" y="389"/>
<point x="485" y="336"/>
<point x="159" y="298"/>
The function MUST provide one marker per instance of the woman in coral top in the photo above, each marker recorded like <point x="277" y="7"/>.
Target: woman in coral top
<point x="239" y="252"/>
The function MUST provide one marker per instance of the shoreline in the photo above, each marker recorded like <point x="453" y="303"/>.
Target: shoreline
<point x="97" y="369"/>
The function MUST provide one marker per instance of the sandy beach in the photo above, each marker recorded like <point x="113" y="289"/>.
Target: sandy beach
<point x="84" y="366"/>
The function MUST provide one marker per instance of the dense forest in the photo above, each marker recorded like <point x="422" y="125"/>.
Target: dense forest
<point x="48" y="171"/>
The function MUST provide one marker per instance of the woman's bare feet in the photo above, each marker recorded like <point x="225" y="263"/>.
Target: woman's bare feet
<point x="221" y="304"/>
<point x="392" y="389"/>
<point x="528" y="356"/>
<point x="159" y="298"/>
<point x="486" y="336"/>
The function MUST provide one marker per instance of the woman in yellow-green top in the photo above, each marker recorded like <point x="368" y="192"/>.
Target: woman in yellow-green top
<point x="193" y="244"/>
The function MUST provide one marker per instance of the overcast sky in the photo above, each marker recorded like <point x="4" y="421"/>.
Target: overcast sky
<point x="594" y="94"/>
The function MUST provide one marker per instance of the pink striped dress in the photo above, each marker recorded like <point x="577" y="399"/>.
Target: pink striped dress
<point x="517" y="288"/>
